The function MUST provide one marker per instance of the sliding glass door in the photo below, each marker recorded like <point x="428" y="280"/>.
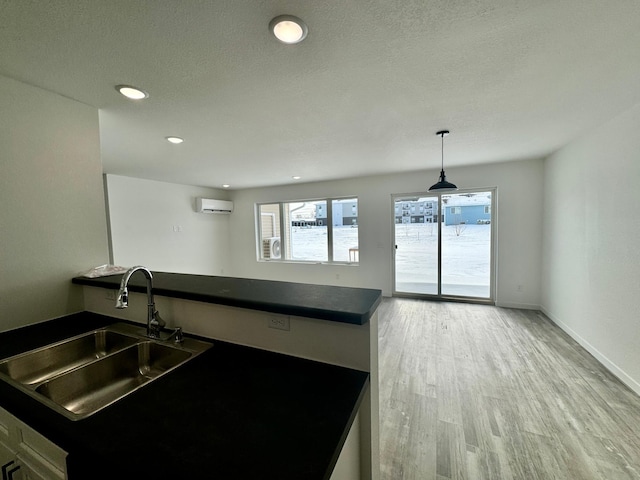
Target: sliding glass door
<point x="444" y="245"/>
<point x="416" y="244"/>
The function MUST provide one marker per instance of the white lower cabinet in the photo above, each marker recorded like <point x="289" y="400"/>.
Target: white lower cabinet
<point x="7" y="458"/>
<point x="27" y="455"/>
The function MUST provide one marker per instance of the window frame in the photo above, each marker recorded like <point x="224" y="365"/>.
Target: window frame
<point x="285" y="232"/>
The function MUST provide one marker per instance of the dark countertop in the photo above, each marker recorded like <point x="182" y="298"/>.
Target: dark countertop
<point x="339" y="304"/>
<point x="233" y="412"/>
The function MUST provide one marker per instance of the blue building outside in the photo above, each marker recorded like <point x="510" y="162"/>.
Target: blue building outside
<point x="467" y="214"/>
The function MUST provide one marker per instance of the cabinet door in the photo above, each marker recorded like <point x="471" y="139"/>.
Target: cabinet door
<point x="36" y="456"/>
<point x="8" y="463"/>
<point x="28" y="472"/>
<point x="7" y="451"/>
<point x="6" y="454"/>
<point x="15" y="468"/>
<point x="41" y="457"/>
<point x="36" y="470"/>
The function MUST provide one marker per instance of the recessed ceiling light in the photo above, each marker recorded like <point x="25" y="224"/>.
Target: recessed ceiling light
<point x="132" y="93"/>
<point x="296" y="177"/>
<point x="288" y="29"/>
<point x="175" y="140"/>
<point x="225" y="185"/>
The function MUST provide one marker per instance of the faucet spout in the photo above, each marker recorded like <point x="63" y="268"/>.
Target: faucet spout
<point x="154" y="322"/>
<point x="123" y="298"/>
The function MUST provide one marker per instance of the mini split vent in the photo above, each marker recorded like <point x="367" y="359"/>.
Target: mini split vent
<point x="209" y="205"/>
<point x="271" y="248"/>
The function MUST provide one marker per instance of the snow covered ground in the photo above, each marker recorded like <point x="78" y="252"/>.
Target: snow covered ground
<point x="310" y="243"/>
<point x="465" y="258"/>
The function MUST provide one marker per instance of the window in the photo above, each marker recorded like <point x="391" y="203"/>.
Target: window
<point x="269" y="223"/>
<point x="323" y="230"/>
<point x="487" y="209"/>
<point x="456" y="210"/>
<point x="308" y="242"/>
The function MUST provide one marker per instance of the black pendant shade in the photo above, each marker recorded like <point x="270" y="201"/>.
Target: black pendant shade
<point x="442" y="184"/>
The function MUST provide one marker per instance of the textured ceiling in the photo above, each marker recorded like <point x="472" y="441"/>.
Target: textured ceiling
<point x="363" y="94"/>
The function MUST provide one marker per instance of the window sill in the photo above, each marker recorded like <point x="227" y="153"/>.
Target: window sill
<point x="305" y="262"/>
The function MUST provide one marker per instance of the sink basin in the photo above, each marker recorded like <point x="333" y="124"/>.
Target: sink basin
<point x="38" y="365"/>
<point x="96" y="385"/>
<point x="82" y="375"/>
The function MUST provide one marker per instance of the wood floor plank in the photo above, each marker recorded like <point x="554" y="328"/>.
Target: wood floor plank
<point x="480" y="392"/>
<point x="422" y="461"/>
<point x="451" y="452"/>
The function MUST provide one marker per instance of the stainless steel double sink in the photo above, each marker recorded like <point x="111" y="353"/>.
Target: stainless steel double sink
<point x="81" y="375"/>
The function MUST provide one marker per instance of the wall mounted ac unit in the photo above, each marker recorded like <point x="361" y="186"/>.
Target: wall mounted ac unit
<point x="271" y="248"/>
<point x="209" y="205"/>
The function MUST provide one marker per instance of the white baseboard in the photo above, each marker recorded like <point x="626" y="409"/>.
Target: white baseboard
<point x="523" y="306"/>
<point x="608" y="364"/>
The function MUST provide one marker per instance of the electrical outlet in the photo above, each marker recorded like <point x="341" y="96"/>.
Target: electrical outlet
<point x="280" y="323"/>
<point x="111" y="295"/>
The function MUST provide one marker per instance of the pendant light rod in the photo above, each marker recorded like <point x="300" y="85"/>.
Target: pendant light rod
<point x="442" y="134"/>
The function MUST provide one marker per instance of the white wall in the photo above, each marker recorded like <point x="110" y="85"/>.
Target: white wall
<point x="52" y="217"/>
<point x="155" y="224"/>
<point x="519" y="228"/>
<point x="591" y="252"/>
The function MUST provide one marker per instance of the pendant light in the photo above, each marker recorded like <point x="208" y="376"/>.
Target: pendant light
<point x="443" y="185"/>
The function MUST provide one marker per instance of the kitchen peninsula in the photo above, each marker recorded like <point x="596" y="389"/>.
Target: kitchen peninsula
<point x="242" y="409"/>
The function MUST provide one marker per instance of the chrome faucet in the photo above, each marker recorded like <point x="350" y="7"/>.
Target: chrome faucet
<point x="154" y="322"/>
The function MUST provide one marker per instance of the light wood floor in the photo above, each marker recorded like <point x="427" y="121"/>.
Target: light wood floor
<point x="477" y="392"/>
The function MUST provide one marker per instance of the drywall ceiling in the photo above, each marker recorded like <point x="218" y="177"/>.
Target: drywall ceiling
<point x="363" y="94"/>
